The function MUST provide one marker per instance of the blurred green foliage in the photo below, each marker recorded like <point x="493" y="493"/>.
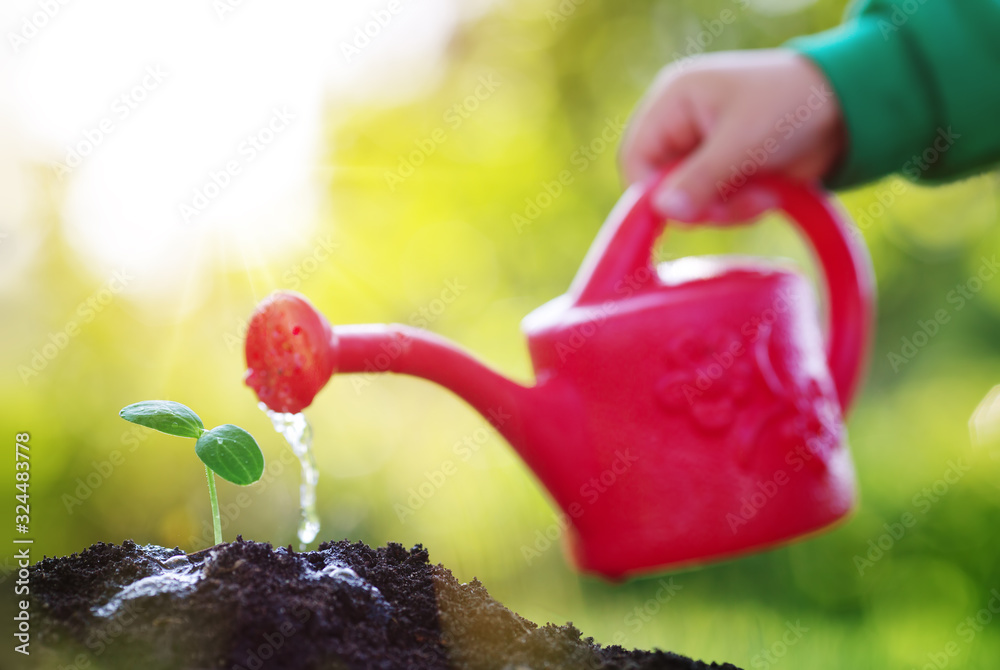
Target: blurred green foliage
<point x="401" y="243"/>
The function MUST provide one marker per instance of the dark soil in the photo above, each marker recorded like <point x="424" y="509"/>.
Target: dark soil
<point x="248" y="606"/>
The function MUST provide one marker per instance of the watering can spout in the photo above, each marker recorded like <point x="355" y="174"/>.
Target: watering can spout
<point x="368" y="349"/>
<point x="292" y="351"/>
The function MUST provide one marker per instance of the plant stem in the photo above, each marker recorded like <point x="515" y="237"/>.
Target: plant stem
<point x="216" y="521"/>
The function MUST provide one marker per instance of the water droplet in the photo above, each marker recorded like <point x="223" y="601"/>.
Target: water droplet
<point x="297" y="432"/>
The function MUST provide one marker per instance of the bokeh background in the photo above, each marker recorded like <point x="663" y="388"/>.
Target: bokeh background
<point x="384" y="185"/>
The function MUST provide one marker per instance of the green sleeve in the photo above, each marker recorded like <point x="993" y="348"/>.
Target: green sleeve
<point x="919" y="86"/>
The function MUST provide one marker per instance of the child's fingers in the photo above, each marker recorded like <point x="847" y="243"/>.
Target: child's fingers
<point x="745" y="205"/>
<point x="663" y="129"/>
<point x="692" y="187"/>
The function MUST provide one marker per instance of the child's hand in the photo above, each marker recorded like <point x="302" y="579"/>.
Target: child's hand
<point x="727" y="116"/>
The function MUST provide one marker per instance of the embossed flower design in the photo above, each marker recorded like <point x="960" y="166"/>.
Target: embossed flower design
<point x="813" y="421"/>
<point x="709" y="375"/>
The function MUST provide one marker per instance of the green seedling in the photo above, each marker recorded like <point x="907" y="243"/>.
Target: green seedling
<point x="227" y="450"/>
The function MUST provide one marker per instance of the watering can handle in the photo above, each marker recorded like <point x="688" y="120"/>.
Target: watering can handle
<point x="624" y="245"/>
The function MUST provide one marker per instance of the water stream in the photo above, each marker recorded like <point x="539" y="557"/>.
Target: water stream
<point x="297" y="432"/>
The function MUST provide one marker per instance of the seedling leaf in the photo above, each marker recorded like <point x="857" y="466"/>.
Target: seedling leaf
<point x="165" y="416"/>
<point x="231" y="453"/>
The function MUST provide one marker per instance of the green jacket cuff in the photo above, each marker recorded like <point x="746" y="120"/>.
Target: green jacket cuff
<point x="884" y="103"/>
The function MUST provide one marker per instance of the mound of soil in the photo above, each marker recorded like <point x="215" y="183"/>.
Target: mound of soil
<point x="248" y="606"/>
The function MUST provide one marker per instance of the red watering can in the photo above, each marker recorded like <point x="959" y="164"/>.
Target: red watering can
<point x="681" y="413"/>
